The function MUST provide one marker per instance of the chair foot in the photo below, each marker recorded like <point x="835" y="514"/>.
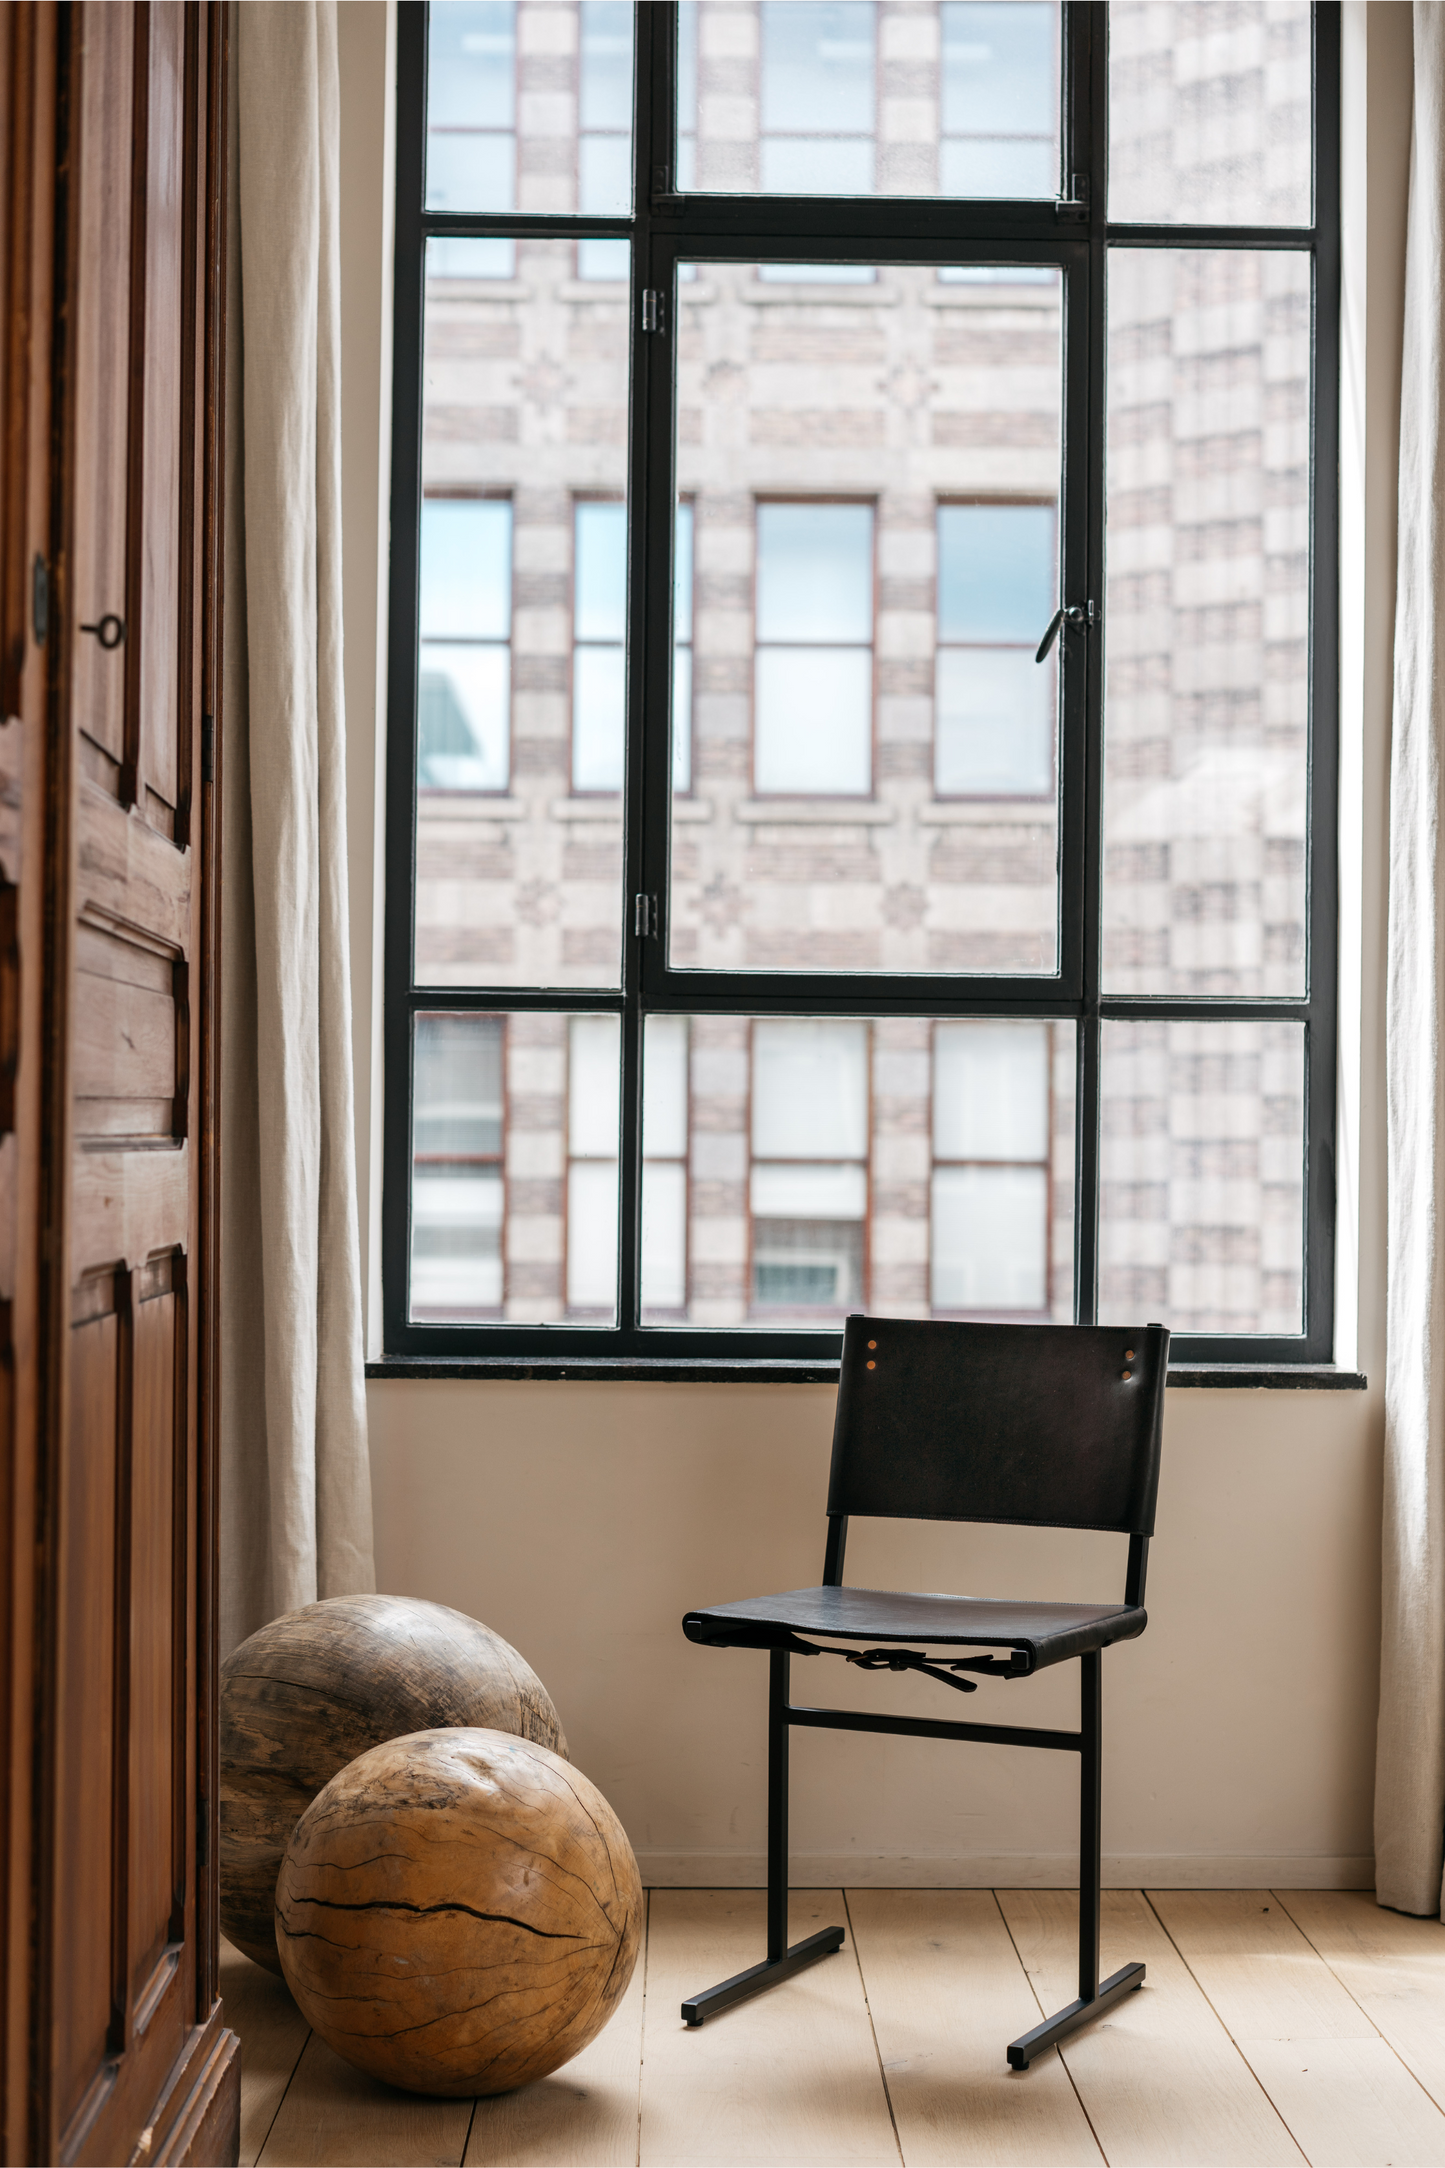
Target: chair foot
<point x="759" y="1977"/>
<point x="1068" y="2020"/>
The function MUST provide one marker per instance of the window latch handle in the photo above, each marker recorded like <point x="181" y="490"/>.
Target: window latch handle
<point x="1074" y="613"/>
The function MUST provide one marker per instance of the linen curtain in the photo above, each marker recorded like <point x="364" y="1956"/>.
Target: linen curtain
<point x="295" y="1485"/>
<point x="1410" y="1768"/>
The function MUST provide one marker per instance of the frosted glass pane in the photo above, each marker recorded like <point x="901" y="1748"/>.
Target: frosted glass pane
<point x="810" y="1090"/>
<point x="463" y="739"/>
<point x="592" y="1236"/>
<point x="996" y="722"/>
<point x="599" y="698"/>
<point x="990" y="1239"/>
<point x="991" y="1091"/>
<point x="664" y="1237"/>
<point x="593" y="1071"/>
<point x="809" y="1193"/>
<point x="664" y="1087"/>
<point x="814" y="720"/>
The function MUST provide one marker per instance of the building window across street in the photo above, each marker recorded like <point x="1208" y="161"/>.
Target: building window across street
<point x="861" y="794"/>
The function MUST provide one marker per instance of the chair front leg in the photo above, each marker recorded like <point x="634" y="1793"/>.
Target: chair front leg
<point x="1094" y="1997"/>
<point x="781" y="1962"/>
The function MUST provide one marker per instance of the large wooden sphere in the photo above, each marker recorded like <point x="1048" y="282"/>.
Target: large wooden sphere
<point x="458" y="1912"/>
<point x="314" y="1689"/>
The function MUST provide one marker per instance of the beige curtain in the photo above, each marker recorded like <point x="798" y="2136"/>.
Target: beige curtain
<point x="296" y="1492"/>
<point x="1410" y="1769"/>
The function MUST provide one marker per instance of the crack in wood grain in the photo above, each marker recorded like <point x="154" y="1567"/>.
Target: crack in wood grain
<point x="403" y="1904"/>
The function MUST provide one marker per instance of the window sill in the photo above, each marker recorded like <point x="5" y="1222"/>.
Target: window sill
<point x="621" y="1370"/>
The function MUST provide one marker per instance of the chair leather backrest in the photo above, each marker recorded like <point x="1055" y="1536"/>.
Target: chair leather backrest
<point x="1034" y="1424"/>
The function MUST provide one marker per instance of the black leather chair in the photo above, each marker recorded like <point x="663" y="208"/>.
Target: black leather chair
<point x="1044" y="1426"/>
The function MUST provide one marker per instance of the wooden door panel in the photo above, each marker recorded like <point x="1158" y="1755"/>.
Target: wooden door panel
<point x="104" y="59"/>
<point x="86" y="1771"/>
<point x="156" y="500"/>
<point x="160" y="1390"/>
<point x="130" y="1037"/>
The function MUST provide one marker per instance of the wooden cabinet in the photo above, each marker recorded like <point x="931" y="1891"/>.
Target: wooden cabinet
<point x="112" y="141"/>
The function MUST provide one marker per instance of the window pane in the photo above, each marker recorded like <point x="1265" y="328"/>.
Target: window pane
<point x="810" y="1090"/>
<point x="874" y="534"/>
<point x="815" y="572"/>
<point x="1202" y="1157"/>
<point x="600" y="598"/>
<point x="462" y="700"/>
<point x="805" y="1167"/>
<point x="1209" y="113"/>
<point x="990" y="1240"/>
<point x="604" y="259"/>
<point x="515" y="1168"/>
<point x="996" y="723"/>
<point x="466" y="569"/>
<point x="456" y="1205"/>
<point x="991" y="1091"/>
<point x="566" y="143"/>
<point x="664" y="1239"/>
<point x="997" y="572"/>
<point x="857" y="97"/>
<point x="598" y="718"/>
<point x="457" y="257"/>
<point x="1206" y="620"/>
<point x="524" y="549"/>
<point x="664" y="1103"/>
<point x="814" y="712"/>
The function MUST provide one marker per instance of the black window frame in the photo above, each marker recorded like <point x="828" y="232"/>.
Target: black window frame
<point x="666" y="228"/>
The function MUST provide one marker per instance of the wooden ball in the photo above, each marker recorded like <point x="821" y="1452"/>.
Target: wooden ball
<point x="311" y="1691"/>
<point x="458" y="1912"/>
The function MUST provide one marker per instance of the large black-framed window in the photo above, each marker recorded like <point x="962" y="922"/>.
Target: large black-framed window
<point x="1136" y="1012"/>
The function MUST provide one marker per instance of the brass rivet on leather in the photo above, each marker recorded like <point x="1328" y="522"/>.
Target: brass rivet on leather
<point x="872" y="1366"/>
<point x="1128" y="1354"/>
<point x="872" y="1343"/>
<point x="1127" y="1373"/>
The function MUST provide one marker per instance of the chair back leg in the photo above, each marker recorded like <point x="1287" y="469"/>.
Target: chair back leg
<point x="1091" y="1708"/>
<point x="778" y="1689"/>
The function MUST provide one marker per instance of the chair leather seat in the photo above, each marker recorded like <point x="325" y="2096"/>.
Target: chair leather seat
<point x="1047" y="1633"/>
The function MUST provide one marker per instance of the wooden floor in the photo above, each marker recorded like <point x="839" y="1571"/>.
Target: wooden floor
<point x="1274" y="2026"/>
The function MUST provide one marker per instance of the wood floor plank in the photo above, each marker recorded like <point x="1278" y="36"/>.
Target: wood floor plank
<point x="583" y="2116"/>
<point x="787" y="2080"/>
<point x="334" y="2117"/>
<point x="1392" y="1965"/>
<point x="947" y="1993"/>
<point x="1160" y="2079"/>
<point x="272" y="2032"/>
<point x="1345" y="2094"/>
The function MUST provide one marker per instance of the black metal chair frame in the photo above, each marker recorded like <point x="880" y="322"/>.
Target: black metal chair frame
<point x="1129" y="1461"/>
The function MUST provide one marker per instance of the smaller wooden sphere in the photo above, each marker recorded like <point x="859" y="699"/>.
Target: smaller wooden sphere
<point x="315" y="1688"/>
<point x="458" y="1912"/>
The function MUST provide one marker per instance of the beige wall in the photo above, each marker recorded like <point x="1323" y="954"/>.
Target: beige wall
<point x="581" y="1520"/>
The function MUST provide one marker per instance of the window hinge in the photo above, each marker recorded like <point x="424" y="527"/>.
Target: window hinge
<point x="644" y="917"/>
<point x="651" y="309"/>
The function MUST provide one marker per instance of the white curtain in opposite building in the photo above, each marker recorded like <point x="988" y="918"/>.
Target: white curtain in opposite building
<point x="1410" y="1770"/>
<point x="296" y="1491"/>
